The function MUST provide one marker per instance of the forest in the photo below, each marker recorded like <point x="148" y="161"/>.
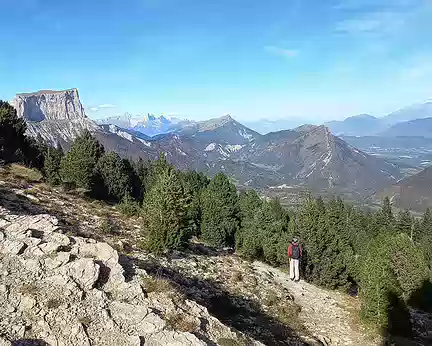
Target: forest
<point x="383" y="255"/>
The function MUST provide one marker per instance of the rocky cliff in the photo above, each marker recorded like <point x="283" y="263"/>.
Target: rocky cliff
<point x="58" y="116"/>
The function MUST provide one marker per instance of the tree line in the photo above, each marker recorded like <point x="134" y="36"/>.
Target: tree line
<point x="383" y="254"/>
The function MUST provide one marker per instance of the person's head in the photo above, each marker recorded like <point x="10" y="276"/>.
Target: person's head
<point x="295" y="240"/>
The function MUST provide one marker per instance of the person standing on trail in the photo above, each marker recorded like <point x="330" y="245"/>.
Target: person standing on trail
<point x="294" y="254"/>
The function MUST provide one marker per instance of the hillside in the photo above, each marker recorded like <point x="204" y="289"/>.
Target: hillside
<point x="73" y="281"/>
<point x="413" y="193"/>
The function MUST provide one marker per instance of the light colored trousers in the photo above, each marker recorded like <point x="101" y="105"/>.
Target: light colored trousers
<point x="294" y="269"/>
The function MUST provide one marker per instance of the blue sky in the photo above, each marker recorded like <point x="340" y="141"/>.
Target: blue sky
<point x="317" y="59"/>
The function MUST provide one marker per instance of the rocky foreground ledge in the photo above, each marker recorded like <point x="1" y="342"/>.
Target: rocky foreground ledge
<point x="57" y="289"/>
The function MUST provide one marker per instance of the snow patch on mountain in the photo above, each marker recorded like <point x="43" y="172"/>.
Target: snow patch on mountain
<point x="210" y="147"/>
<point x="119" y="132"/>
<point x="233" y="148"/>
<point x="144" y="142"/>
<point x="245" y="134"/>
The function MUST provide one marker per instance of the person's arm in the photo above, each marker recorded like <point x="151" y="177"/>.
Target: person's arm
<point x="301" y="251"/>
<point x="290" y="250"/>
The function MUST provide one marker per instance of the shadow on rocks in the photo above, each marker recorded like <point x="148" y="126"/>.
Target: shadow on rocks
<point x="30" y="342"/>
<point x="238" y="312"/>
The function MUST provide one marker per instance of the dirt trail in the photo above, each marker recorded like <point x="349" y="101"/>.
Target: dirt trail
<point x="326" y="314"/>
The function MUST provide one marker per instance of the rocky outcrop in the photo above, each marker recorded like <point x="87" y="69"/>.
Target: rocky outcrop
<point x="64" y="290"/>
<point x="49" y="105"/>
<point x="58" y="116"/>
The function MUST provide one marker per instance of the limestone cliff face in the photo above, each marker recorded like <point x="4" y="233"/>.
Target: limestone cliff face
<point x="58" y="116"/>
<point x="50" y="105"/>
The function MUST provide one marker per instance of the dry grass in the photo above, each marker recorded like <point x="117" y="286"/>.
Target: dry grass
<point x="54" y="303"/>
<point x="288" y="313"/>
<point x="28" y="289"/>
<point x="158" y="285"/>
<point x="237" y="277"/>
<point x="182" y="322"/>
<point x="18" y="171"/>
<point x="229" y="342"/>
<point x="85" y="321"/>
<point x="271" y="298"/>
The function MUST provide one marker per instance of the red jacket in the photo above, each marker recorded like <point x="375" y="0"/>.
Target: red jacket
<point x="290" y="250"/>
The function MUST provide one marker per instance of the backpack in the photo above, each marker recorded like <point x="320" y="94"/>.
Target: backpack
<point x="295" y="252"/>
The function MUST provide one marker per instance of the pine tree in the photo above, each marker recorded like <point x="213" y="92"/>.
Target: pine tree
<point x="194" y="183"/>
<point x="165" y="213"/>
<point x="156" y="169"/>
<point x="78" y="166"/>
<point x="220" y="212"/>
<point x="425" y="236"/>
<point x="13" y="141"/>
<point x="404" y="222"/>
<point x="310" y="222"/>
<point x="249" y="202"/>
<point x="383" y="221"/>
<point x="116" y="174"/>
<point x="141" y="170"/>
<point x="393" y="267"/>
<point x="53" y="157"/>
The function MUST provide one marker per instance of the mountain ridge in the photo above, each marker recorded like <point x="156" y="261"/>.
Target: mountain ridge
<point x="311" y="156"/>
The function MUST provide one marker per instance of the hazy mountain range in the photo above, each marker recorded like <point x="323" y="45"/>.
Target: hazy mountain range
<point x="391" y="125"/>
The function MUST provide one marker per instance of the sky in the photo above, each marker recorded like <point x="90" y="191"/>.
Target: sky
<point x="275" y="59"/>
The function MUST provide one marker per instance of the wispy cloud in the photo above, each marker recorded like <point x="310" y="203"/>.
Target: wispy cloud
<point x="102" y="106"/>
<point x="384" y="22"/>
<point x="289" y="53"/>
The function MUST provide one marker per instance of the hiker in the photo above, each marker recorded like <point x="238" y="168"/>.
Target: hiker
<point x="294" y="254"/>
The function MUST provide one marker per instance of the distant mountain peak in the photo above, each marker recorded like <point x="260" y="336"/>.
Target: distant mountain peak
<point x="305" y="128"/>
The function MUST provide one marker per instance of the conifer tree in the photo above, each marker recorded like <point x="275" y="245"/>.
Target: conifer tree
<point x="53" y="157"/>
<point x="194" y="183"/>
<point x="404" y="222"/>
<point x="12" y="134"/>
<point x="393" y="267"/>
<point x="78" y="166"/>
<point x="156" y="168"/>
<point x="141" y="171"/>
<point x="220" y="212"/>
<point x="425" y="236"/>
<point x="116" y="174"/>
<point x="165" y="213"/>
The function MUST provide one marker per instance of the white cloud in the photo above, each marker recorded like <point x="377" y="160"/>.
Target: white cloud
<point x="102" y="106"/>
<point x="290" y="53"/>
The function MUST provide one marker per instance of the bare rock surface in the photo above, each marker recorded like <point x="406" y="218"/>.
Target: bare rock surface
<point x="55" y="115"/>
<point x="66" y="290"/>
